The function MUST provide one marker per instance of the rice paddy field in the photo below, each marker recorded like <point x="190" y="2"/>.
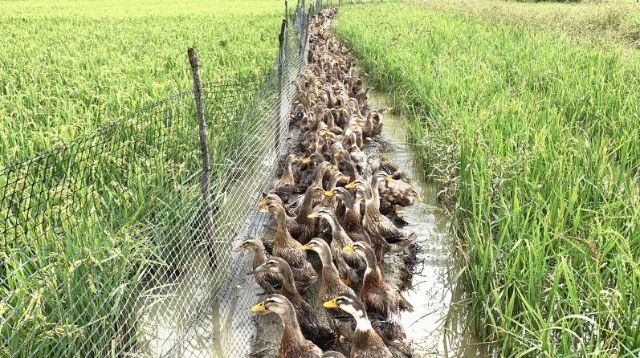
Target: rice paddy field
<point x="110" y="200"/>
<point x="70" y="66"/>
<point x="526" y="115"/>
<point x="531" y="128"/>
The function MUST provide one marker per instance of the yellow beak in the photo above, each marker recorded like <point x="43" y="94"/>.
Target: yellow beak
<point x="348" y="248"/>
<point x="313" y="216"/>
<point x="305" y="247"/>
<point x="418" y="197"/>
<point x="350" y="185"/>
<point x="328" y="193"/>
<point x="262" y="202"/>
<point x="259" y="307"/>
<point x="264" y="210"/>
<point x="337" y="155"/>
<point x="389" y="179"/>
<point x="306" y="160"/>
<point x="329" y="304"/>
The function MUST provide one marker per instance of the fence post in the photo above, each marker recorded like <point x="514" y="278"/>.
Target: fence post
<point x="204" y="151"/>
<point x="281" y="54"/>
<point x="286" y="10"/>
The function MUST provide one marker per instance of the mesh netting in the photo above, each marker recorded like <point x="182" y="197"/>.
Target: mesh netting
<point x="107" y="247"/>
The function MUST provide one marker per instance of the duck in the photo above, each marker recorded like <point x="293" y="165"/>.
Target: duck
<point x="292" y="344"/>
<point x="378" y="242"/>
<point x="331" y="287"/>
<point x="379" y="299"/>
<point x="392" y="169"/>
<point x="307" y="318"/>
<point x="287" y="247"/>
<point x="285" y="186"/>
<point x="379" y="226"/>
<point x="392" y="196"/>
<point x="300" y="226"/>
<point x="269" y="281"/>
<point x="352" y="220"/>
<point x="366" y="343"/>
<point x="350" y="266"/>
<point x="357" y="155"/>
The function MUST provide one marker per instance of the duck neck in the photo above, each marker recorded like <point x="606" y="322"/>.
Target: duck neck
<point x="372" y="274"/>
<point x="329" y="269"/>
<point x="320" y="170"/>
<point x="282" y="234"/>
<point x="362" y="321"/>
<point x="288" y="284"/>
<point x="305" y="208"/>
<point x="288" y="173"/>
<point x="258" y="257"/>
<point x="291" y="332"/>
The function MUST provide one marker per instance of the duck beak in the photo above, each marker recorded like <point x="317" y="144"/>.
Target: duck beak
<point x="389" y="179"/>
<point x="305" y="247"/>
<point x="313" y="216"/>
<point x="306" y="161"/>
<point x="350" y="185"/>
<point x="264" y="210"/>
<point x="348" y="248"/>
<point x="259" y="307"/>
<point x="329" y="304"/>
<point x="261" y="268"/>
<point x="238" y="249"/>
<point x="337" y="155"/>
<point x="328" y="193"/>
<point x="418" y="197"/>
<point x="262" y="202"/>
<point x="410" y="182"/>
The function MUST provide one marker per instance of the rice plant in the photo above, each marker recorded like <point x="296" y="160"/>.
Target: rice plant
<point x="534" y="139"/>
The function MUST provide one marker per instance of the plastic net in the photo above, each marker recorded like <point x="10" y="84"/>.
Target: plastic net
<point x="108" y="248"/>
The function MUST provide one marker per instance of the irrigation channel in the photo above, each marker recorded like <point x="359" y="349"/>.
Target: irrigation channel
<point x="436" y="327"/>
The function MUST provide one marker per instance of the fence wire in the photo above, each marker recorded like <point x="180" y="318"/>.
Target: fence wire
<point x="105" y="249"/>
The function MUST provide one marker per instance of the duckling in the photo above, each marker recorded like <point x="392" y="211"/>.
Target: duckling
<point x="270" y="282"/>
<point x="286" y="247"/>
<point x="350" y="266"/>
<point x="292" y="344"/>
<point x="331" y="287"/>
<point x="366" y="343"/>
<point x="379" y="299"/>
<point x="307" y="318"/>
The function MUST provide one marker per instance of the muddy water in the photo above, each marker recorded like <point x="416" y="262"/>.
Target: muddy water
<point x="436" y="326"/>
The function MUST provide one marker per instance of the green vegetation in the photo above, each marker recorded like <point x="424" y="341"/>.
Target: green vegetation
<point x="88" y="223"/>
<point x="534" y="138"/>
<point x="70" y="66"/>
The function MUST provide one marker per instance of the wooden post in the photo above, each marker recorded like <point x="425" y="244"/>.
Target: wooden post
<point x="204" y="151"/>
<point x="281" y="64"/>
